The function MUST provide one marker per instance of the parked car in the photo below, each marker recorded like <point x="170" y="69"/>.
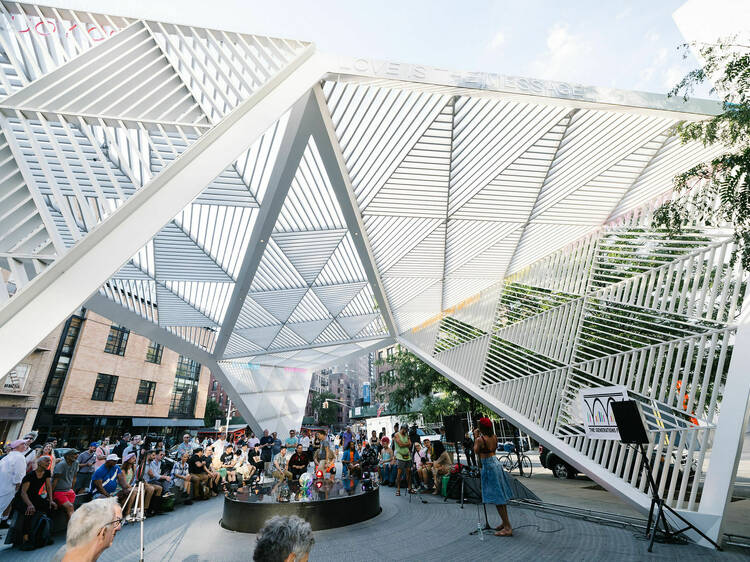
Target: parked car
<point x="559" y="467"/>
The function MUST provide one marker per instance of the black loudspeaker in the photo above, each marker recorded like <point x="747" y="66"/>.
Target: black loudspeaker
<point x="456" y="427"/>
<point x="472" y="489"/>
<point x="630" y="422"/>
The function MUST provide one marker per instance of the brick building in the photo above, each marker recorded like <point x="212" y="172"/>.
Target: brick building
<point x="105" y="380"/>
<point x="217" y="393"/>
<point x="21" y="389"/>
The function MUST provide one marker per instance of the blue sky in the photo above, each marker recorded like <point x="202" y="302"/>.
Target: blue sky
<point x="630" y="45"/>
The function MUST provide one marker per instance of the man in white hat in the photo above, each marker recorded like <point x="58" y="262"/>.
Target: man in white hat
<point x="12" y="471"/>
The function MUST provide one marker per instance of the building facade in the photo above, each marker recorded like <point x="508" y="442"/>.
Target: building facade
<point x="219" y="395"/>
<point x="105" y="380"/>
<point x="21" y="389"/>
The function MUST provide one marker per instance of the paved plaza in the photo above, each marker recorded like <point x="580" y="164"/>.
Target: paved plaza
<point x="403" y="531"/>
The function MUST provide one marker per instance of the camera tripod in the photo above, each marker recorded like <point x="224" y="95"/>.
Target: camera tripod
<point x="138" y="512"/>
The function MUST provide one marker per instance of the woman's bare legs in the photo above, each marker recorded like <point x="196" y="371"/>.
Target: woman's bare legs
<point x="505" y="530"/>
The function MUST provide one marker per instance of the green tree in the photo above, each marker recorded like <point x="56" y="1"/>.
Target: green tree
<point x="212" y="413"/>
<point x="717" y="191"/>
<point x="412" y="378"/>
<point x="324" y="416"/>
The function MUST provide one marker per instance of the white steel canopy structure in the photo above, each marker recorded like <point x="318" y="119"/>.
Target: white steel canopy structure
<point x="265" y="209"/>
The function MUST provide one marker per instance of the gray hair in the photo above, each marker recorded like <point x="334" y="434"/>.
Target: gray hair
<point x="88" y="519"/>
<point x="282" y="536"/>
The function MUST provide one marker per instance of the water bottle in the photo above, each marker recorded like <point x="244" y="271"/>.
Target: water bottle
<point x="479" y="531"/>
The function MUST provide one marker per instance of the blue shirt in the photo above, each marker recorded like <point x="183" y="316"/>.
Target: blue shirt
<point x="155" y="466"/>
<point x="108" y="476"/>
<point x="276" y="446"/>
<point x="291" y="442"/>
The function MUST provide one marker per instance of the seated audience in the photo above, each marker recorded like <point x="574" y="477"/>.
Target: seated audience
<point x="128" y="473"/>
<point x="280" y="470"/>
<point x="63" y="482"/>
<point x="228" y="461"/>
<point x="369" y="456"/>
<point x="387" y="463"/>
<point x="350" y="461"/>
<point x="441" y="465"/>
<point x="154" y="475"/>
<point x="298" y="462"/>
<point x="181" y="476"/>
<point x="35" y="497"/>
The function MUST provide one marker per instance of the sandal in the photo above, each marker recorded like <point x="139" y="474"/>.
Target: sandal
<point x="504" y="533"/>
<point x="398" y="493"/>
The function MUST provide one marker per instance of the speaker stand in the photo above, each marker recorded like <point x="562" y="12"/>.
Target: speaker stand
<point x="661" y="507"/>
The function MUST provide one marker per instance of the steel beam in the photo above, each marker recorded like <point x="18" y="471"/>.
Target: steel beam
<point x="73" y="278"/>
<point x="285" y="166"/>
<point x="324" y="134"/>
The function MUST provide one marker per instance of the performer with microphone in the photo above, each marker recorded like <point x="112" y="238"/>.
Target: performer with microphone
<point x="495" y="486"/>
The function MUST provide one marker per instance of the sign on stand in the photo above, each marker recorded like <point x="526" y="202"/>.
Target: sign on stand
<point x="598" y="418"/>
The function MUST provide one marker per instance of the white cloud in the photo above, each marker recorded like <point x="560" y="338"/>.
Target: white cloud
<point x="567" y="56"/>
<point x="497" y="41"/>
<point x="652" y="36"/>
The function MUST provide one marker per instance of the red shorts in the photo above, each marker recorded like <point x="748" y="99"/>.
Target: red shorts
<point x="64" y="497"/>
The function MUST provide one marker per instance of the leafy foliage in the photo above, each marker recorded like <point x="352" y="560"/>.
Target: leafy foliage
<point x="717" y="191"/>
<point x="213" y="412"/>
<point x="412" y="378"/>
<point x="325" y="416"/>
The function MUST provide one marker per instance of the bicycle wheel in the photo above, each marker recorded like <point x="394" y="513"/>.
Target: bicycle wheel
<point x="507" y="463"/>
<point x="526" y="464"/>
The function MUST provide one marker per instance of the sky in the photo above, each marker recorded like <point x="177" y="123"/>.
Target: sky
<point x="629" y="45"/>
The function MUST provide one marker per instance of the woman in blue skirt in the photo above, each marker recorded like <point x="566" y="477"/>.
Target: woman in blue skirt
<point x="495" y="486"/>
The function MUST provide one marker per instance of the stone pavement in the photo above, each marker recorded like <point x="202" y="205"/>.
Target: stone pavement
<point x="403" y="531"/>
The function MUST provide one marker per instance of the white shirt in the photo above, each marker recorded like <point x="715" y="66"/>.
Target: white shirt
<point x="12" y="471"/>
<point x="305" y="442"/>
<point x="252" y="442"/>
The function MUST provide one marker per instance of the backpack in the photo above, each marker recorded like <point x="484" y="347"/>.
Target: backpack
<point x="41" y="530"/>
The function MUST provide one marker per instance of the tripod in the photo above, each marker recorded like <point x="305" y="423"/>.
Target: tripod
<point x="658" y="502"/>
<point x="632" y="429"/>
<point x="138" y="512"/>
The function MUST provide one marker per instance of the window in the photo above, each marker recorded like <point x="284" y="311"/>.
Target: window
<point x="153" y="353"/>
<point x="185" y="388"/>
<point x="60" y="365"/>
<point x="389" y="352"/>
<point x="104" y="389"/>
<point x="117" y="340"/>
<point x="146" y="392"/>
<point x="380" y="355"/>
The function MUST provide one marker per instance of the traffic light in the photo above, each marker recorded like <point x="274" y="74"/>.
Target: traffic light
<point x="325" y="404"/>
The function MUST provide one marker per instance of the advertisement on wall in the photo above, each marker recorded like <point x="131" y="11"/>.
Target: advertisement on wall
<point x="598" y="418"/>
<point x="366" y="393"/>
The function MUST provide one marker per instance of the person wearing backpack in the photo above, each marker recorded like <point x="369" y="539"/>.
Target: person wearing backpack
<point x="34" y="500"/>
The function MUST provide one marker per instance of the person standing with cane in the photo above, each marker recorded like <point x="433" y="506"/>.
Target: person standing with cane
<point x="495" y="486"/>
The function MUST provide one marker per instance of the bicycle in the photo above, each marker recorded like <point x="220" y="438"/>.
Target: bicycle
<point x="510" y="463"/>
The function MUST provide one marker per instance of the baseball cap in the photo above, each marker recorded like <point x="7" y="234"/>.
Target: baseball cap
<point x="17" y="443"/>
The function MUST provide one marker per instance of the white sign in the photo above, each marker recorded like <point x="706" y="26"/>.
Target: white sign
<point x="597" y="414"/>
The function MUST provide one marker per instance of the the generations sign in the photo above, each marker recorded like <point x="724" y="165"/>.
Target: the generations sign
<point x="597" y="414"/>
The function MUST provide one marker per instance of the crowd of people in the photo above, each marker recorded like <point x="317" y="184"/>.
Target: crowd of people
<point x="34" y="483"/>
